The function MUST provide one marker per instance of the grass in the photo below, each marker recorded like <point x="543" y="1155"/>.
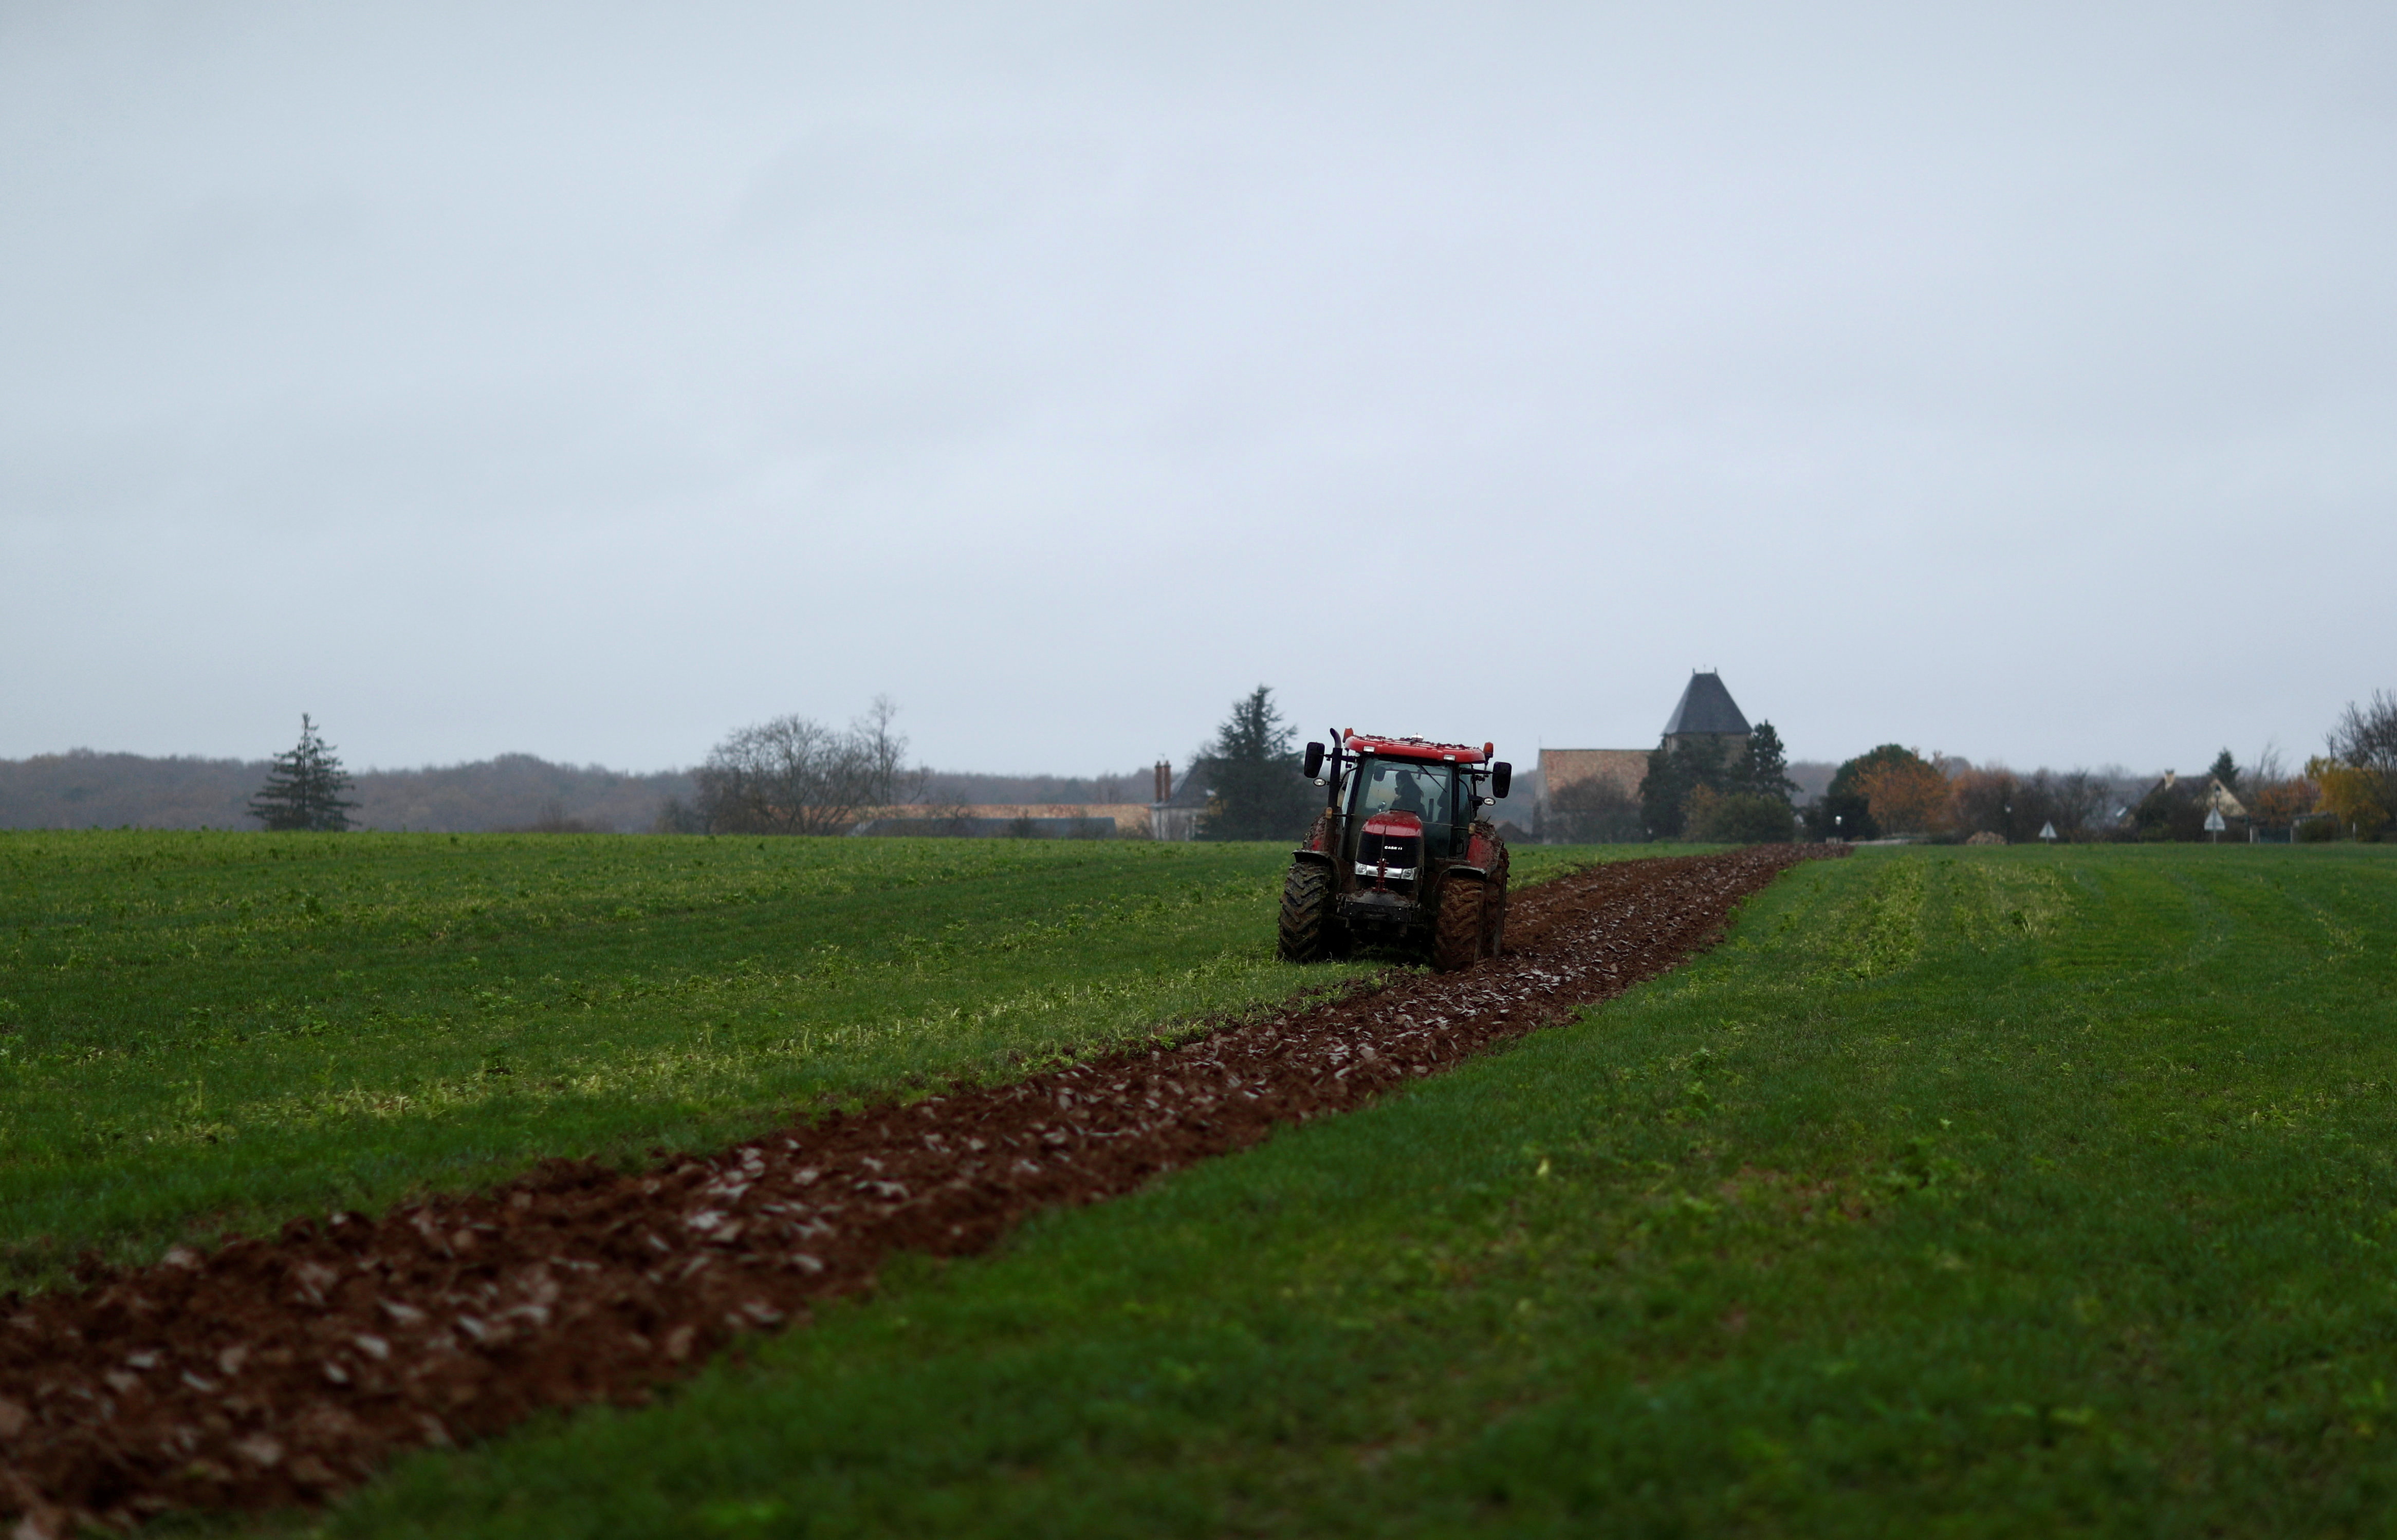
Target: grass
<point x="207" y="1032"/>
<point x="1996" y="1192"/>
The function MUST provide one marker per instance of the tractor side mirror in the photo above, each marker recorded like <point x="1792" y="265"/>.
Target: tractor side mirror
<point x="1502" y="775"/>
<point x="1314" y="761"/>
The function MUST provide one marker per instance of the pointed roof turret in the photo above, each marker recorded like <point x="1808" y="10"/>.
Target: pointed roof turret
<point x="1708" y="707"/>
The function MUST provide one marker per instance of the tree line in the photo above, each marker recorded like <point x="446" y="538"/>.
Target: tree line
<point x="794" y="776"/>
<point x="787" y="775"/>
<point x="1893" y="790"/>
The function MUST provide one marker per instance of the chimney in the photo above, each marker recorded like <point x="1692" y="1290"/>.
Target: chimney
<point x="1164" y="780"/>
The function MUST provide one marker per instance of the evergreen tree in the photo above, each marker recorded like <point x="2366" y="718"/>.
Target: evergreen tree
<point x="1662" y="792"/>
<point x="1763" y="767"/>
<point x="304" y="791"/>
<point x="1252" y="772"/>
<point x="1673" y="774"/>
<point x="2226" y="769"/>
<point x="1745" y="798"/>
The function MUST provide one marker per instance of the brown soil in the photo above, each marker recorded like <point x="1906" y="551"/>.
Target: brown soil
<point x="280" y="1370"/>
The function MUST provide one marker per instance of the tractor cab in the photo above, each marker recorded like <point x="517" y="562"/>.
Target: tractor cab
<point x="1400" y="813"/>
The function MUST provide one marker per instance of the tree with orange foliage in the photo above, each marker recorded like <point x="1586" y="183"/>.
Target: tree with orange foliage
<point x="2278" y="800"/>
<point x="1907" y="796"/>
<point x="2353" y="793"/>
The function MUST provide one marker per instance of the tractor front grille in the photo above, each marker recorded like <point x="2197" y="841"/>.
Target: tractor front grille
<point x="1391" y="858"/>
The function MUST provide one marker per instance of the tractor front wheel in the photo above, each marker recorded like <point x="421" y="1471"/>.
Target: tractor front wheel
<point x="1307" y="921"/>
<point x="1456" y="936"/>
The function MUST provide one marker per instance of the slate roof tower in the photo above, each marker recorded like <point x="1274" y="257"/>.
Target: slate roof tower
<point x="1706" y="710"/>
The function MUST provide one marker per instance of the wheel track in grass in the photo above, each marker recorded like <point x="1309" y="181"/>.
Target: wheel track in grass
<point x="282" y="1370"/>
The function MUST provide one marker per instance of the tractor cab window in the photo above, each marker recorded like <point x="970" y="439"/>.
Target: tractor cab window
<point x="1394" y="785"/>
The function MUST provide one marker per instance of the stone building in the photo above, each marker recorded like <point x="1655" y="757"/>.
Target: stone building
<point x="1623" y="769"/>
<point x="1603" y="777"/>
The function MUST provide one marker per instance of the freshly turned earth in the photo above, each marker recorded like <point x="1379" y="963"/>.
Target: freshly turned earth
<point x="279" y="1371"/>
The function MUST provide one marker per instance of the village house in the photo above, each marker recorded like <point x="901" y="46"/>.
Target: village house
<point x="2206" y="791"/>
<point x="2178" y="807"/>
<point x="1175" y="813"/>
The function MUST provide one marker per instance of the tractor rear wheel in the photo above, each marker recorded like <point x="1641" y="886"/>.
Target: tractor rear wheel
<point x="1456" y="934"/>
<point x="1306" y="923"/>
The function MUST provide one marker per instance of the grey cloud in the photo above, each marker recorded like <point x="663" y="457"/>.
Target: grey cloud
<point x="1064" y="371"/>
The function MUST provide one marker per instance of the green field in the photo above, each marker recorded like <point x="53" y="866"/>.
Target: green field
<point x="2004" y="1192"/>
<point x="201" y="1032"/>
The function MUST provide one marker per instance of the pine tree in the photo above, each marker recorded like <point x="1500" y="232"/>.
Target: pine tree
<point x="304" y="789"/>
<point x="1763" y="768"/>
<point x="1673" y="774"/>
<point x="1662" y="792"/>
<point x="1252" y="772"/>
<point x="2226" y="769"/>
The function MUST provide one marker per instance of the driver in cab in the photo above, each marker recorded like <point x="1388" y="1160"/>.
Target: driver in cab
<point x="1397" y="790"/>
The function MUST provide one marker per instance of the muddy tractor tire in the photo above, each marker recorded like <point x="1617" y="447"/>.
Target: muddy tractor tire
<point x="1308" y="926"/>
<point x="1456" y="934"/>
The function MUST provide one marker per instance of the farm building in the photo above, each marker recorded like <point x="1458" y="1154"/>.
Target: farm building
<point x="1599" y="783"/>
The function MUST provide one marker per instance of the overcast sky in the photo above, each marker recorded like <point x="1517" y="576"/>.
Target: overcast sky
<point x="587" y="380"/>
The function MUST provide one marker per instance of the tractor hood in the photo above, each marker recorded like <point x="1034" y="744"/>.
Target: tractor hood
<point x="1390" y="849"/>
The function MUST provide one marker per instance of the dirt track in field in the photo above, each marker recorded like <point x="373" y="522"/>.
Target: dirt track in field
<point x="280" y="1371"/>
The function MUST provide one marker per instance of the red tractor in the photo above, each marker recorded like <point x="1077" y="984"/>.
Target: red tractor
<point x="1400" y="854"/>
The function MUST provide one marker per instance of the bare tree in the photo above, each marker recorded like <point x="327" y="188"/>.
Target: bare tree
<point x="1989" y="800"/>
<point x="2366" y="736"/>
<point x="794" y="776"/>
<point x="2359" y="777"/>
<point x="886" y="754"/>
<point x="2081" y="802"/>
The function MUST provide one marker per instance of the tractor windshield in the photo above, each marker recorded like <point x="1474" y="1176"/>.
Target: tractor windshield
<point x="1397" y="785"/>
